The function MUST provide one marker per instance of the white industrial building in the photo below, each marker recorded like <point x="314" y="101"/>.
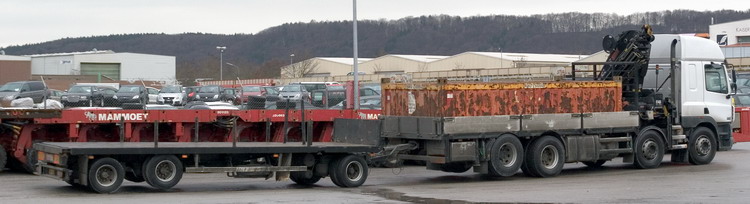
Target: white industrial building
<point x="398" y="64"/>
<point x="329" y="66"/>
<point x="730" y="33"/>
<point x="115" y="66"/>
<point x="495" y="60"/>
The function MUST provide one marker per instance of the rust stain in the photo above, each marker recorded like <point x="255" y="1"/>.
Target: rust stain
<point x="477" y="99"/>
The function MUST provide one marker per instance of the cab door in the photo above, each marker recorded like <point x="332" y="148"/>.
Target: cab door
<point x="718" y="102"/>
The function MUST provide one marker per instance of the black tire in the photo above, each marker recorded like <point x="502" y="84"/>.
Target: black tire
<point x="331" y="173"/>
<point x="545" y="157"/>
<point x="304" y="177"/>
<point x="163" y="171"/>
<point x="3" y="158"/>
<point x="506" y="156"/>
<point x="456" y="167"/>
<point x="594" y="164"/>
<point x="702" y="146"/>
<point x="648" y="150"/>
<point x="350" y="171"/>
<point x="526" y="171"/>
<point x="105" y="175"/>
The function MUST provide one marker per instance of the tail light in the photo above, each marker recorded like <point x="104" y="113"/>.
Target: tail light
<point x="191" y="94"/>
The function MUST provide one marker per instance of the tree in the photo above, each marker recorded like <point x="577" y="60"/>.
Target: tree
<point x="300" y="69"/>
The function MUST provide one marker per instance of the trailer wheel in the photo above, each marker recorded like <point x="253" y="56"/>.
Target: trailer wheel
<point x="594" y="164"/>
<point x="105" y="175"/>
<point x="3" y="158"/>
<point x="649" y="150"/>
<point x="349" y="171"/>
<point x="702" y="146"/>
<point x="506" y="156"/>
<point x="163" y="171"/>
<point x="304" y="177"/>
<point x="545" y="157"/>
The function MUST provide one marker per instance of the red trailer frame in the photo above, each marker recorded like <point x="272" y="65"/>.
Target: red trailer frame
<point x="741" y="132"/>
<point x="103" y="125"/>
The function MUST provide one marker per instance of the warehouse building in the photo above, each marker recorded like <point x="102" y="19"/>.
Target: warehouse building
<point x="321" y="67"/>
<point x="14" y="68"/>
<point x="107" y="64"/>
<point x="495" y="60"/>
<point x="398" y="64"/>
<point x="730" y="33"/>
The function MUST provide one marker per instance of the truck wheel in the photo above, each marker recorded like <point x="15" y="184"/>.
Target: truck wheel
<point x="350" y="171"/>
<point x="702" y="146"/>
<point x="649" y="150"/>
<point x="506" y="156"/>
<point x="456" y="167"/>
<point x="163" y="171"/>
<point x="594" y="164"/>
<point x="304" y="177"/>
<point x="105" y="175"/>
<point x="3" y="158"/>
<point x="545" y="157"/>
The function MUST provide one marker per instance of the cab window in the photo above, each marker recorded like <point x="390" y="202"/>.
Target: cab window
<point x="716" y="79"/>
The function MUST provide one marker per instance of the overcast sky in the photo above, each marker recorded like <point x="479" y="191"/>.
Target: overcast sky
<point x="24" y="21"/>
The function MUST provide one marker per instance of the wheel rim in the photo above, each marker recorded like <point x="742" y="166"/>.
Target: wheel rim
<point x="549" y="157"/>
<point x="649" y="149"/>
<point x="703" y="145"/>
<point x="354" y="171"/>
<point x="165" y="171"/>
<point x="508" y="154"/>
<point x="106" y="175"/>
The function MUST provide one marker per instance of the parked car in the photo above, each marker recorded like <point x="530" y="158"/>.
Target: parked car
<point x="172" y="95"/>
<point x="132" y="94"/>
<point x="294" y="93"/>
<point x="311" y="86"/>
<point x="88" y="95"/>
<point x="336" y="94"/>
<point x="215" y="93"/>
<point x="54" y="94"/>
<point x="191" y="93"/>
<point x="153" y="94"/>
<point x="268" y="92"/>
<point x="35" y="90"/>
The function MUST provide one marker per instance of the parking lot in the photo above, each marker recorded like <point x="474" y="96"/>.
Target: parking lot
<point x="723" y="181"/>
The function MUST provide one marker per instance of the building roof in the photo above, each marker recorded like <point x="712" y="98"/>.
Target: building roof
<point x="532" y="57"/>
<point x="343" y="60"/>
<point x="420" y="58"/>
<point x="72" y="53"/>
<point x="14" y="58"/>
<point x="737" y="21"/>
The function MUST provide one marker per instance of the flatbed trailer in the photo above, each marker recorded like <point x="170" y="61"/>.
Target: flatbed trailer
<point x="102" y="166"/>
<point x="21" y="128"/>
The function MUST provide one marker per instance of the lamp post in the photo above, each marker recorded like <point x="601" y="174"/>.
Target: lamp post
<point x="235" y="66"/>
<point x="291" y="59"/>
<point x="354" y="49"/>
<point x="221" y="61"/>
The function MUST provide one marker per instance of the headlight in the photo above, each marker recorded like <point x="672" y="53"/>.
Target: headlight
<point x="216" y="96"/>
<point x="136" y="97"/>
<point x="83" y="97"/>
<point x="64" y="97"/>
<point x="115" y="97"/>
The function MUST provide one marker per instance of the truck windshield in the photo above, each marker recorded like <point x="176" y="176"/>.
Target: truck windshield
<point x="80" y="89"/>
<point x="11" y="87"/>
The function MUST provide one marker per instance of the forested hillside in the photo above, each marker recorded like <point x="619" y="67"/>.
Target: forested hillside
<point x="261" y="54"/>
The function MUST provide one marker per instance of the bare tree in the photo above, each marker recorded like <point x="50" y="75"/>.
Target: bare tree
<point x="300" y="69"/>
<point x="521" y="62"/>
<point x="422" y="67"/>
<point x="377" y="68"/>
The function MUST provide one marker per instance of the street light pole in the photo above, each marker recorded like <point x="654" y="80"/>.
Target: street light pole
<point x="235" y="66"/>
<point x="354" y="48"/>
<point x="291" y="59"/>
<point x="221" y="61"/>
